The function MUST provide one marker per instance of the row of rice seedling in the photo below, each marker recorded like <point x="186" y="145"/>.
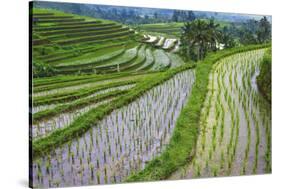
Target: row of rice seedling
<point x="149" y="61"/>
<point x="91" y="39"/>
<point x="172" y="29"/>
<point x="50" y="17"/>
<point x="66" y="40"/>
<point x="76" y="29"/>
<point x="91" y="60"/>
<point x="81" y="23"/>
<point x="74" y="23"/>
<point x="138" y="62"/>
<point x="176" y="60"/>
<point x="115" y="65"/>
<point x="162" y="61"/>
<point x="46" y="84"/>
<point x="60" y="136"/>
<point x="121" y="143"/>
<point x="43" y="128"/>
<point x="98" y="26"/>
<point x="42" y="14"/>
<point x="72" y="95"/>
<point x="63" y="115"/>
<point x="62" y="90"/>
<point x="60" y="20"/>
<point x="40" y="25"/>
<point x="181" y="150"/>
<point x="234" y="137"/>
<point x="44" y="110"/>
<point x="87" y="33"/>
<point x="66" y="61"/>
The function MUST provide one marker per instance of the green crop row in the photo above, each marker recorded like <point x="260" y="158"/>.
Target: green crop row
<point x="49" y="113"/>
<point x="50" y="17"/>
<point x="64" y="55"/>
<point x="264" y="78"/>
<point x="71" y="80"/>
<point x="180" y="150"/>
<point x="86" y="121"/>
<point x="72" y="95"/>
<point x="94" y="26"/>
<point x="86" y="33"/>
<point x="93" y="39"/>
<point x="58" y="20"/>
<point x="78" y="29"/>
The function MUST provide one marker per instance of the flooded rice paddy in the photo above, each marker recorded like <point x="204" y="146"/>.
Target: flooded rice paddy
<point x="121" y="143"/>
<point x="235" y="128"/>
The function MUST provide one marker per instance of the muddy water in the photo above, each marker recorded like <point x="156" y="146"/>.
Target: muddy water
<point x="235" y="122"/>
<point x="121" y="143"/>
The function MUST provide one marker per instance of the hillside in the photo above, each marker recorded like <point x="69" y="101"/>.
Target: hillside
<point x="73" y="44"/>
<point x="113" y="103"/>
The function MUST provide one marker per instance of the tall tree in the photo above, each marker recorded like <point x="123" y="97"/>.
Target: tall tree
<point x="175" y="17"/>
<point x="191" y="16"/>
<point x="199" y="37"/>
<point x="196" y="36"/>
<point x="227" y="38"/>
<point x="264" y="30"/>
<point x="214" y="34"/>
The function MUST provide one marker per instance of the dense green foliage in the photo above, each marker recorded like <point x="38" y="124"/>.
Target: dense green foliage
<point x="264" y="78"/>
<point x="201" y="36"/>
<point x="181" y="16"/>
<point x="40" y="69"/>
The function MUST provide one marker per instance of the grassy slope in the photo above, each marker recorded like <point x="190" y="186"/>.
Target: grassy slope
<point x="264" y="78"/>
<point x="181" y="148"/>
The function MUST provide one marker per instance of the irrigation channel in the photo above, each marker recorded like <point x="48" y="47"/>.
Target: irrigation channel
<point x="235" y="123"/>
<point x="120" y="144"/>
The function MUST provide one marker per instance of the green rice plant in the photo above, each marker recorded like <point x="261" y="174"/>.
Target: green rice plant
<point x="222" y="161"/>
<point x="215" y="171"/>
<point x="198" y="171"/>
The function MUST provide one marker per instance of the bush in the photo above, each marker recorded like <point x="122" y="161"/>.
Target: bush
<point x="264" y="78"/>
<point x="40" y="69"/>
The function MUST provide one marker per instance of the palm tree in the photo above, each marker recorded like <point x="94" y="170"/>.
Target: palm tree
<point x="197" y="36"/>
<point x="215" y="34"/>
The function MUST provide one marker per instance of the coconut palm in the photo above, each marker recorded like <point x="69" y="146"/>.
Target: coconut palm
<point x="196" y="36"/>
<point x="199" y="36"/>
<point x="215" y="34"/>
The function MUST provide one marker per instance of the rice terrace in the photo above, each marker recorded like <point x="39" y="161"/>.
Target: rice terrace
<point x="126" y="94"/>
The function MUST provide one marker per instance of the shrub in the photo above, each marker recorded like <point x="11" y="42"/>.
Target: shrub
<point x="40" y="69"/>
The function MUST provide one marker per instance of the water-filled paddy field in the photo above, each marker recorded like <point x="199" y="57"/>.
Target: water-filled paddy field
<point x="121" y="143"/>
<point x="235" y="123"/>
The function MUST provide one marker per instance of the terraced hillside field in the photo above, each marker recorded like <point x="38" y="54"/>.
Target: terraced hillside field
<point x="170" y="29"/>
<point x="74" y="44"/>
<point x="116" y="105"/>
<point x="235" y="123"/>
<point x="107" y="109"/>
